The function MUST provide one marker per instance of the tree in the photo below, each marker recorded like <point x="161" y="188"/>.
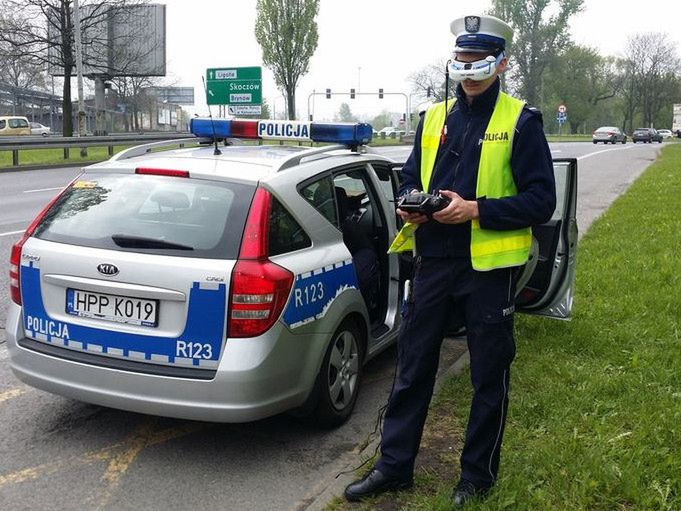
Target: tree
<point x="287" y="33"/>
<point x="538" y="38"/>
<point x="345" y="114"/>
<point x="580" y="78"/>
<point x="131" y="93"/>
<point x="382" y="120"/>
<point x="651" y="77"/>
<point x="20" y="71"/>
<point x="431" y="77"/>
<point x="43" y="32"/>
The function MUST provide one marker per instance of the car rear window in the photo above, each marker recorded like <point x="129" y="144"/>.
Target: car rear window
<point x="151" y="214"/>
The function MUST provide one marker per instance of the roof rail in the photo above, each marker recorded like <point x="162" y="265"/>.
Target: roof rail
<point x="143" y="149"/>
<point x="295" y="159"/>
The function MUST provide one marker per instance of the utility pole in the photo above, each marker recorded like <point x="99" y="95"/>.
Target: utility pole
<point x="79" y="69"/>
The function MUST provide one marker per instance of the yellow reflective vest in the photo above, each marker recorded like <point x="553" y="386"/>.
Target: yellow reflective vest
<point x="490" y="249"/>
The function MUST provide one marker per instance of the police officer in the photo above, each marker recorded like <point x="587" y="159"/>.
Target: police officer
<point x="486" y="151"/>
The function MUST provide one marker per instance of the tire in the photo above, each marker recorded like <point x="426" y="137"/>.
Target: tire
<point x="595" y="142"/>
<point x="624" y="140"/>
<point x="339" y="378"/>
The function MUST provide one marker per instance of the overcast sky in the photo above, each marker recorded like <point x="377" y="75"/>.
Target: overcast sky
<point x="367" y="44"/>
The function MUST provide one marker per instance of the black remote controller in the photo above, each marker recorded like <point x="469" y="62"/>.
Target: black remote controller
<point x="422" y="202"/>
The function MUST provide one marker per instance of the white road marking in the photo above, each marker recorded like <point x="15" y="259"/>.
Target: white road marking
<point x="604" y="151"/>
<point x="3" y="353"/>
<point x="43" y="190"/>
<point x="556" y="150"/>
<point x="11" y="233"/>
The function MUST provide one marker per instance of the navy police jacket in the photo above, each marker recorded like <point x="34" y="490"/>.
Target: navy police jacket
<point x="456" y="169"/>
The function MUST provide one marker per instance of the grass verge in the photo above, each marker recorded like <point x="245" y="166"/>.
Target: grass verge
<point x="595" y="415"/>
<point x="569" y="138"/>
<point x="56" y="156"/>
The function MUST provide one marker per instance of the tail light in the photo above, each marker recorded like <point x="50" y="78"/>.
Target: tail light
<point x="14" y="265"/>
<point x="260" y="287"/>
<point x="15" y="255"/>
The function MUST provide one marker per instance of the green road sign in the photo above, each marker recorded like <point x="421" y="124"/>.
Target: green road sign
<point x="234" y="86"/>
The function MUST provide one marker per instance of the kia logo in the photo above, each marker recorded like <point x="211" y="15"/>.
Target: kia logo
<point x="109" y="270"/>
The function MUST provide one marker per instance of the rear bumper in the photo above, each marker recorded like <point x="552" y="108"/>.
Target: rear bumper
<point x="256" y="378"/>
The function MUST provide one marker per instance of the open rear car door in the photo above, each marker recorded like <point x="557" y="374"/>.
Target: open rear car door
<point x="546" y="284"/>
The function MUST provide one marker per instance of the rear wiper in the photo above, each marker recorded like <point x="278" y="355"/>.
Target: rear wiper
<point x="125" y="241"/>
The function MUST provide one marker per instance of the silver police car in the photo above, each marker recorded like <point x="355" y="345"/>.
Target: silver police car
<point x="231" y="283"/>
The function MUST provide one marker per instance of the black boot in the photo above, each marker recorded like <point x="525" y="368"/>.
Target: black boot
<point x="374" y="483"/>
<point x="466" y="491"/>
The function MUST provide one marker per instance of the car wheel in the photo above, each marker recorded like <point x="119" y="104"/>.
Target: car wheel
<point x="339" y="378"/>
<point x="44" y="134"/>
<point x="595" y="142"/>
<point x="624" y="140"/>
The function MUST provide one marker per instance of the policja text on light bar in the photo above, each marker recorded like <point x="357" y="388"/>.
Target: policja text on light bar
<point x="351" y="134"/>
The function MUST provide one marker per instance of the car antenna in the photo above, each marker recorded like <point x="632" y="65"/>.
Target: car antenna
<point x="210" y="115"/>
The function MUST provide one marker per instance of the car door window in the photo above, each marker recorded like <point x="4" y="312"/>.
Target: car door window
<point x="320" y="195"/>
<point x="285" y="233"/>
<point x="387" y="182"/>
<point x="18" y="123"/>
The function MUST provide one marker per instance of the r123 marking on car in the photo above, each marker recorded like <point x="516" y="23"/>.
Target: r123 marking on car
<point x="193" y="350"/>
<point x="309" y="294"/>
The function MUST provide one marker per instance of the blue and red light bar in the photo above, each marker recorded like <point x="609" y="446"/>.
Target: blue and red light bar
<point x="351" y="134"/>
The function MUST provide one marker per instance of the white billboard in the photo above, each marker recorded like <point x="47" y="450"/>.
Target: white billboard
<point x="121" y="41"/>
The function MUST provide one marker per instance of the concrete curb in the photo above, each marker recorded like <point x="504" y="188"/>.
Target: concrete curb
<point x="330" y="486"/>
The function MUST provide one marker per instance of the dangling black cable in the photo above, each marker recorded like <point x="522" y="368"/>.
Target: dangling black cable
<point x="377" y="429"/>
<point x="443" y="132"/>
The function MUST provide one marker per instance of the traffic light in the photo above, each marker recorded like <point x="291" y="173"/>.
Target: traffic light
<point x="352" y="93"/>
<point x="328" y="93"/>
<point x="380" y="93"/>
<point x="429" y="92"/>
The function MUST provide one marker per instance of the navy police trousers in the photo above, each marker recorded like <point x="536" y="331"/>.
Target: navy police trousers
<point x="443" y="288"/>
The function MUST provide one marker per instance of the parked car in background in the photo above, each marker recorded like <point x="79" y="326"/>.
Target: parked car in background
<point x="666" y="133"/>
<point x="390" y="132"/>
<point x="646" y="135"/>
<point x="14" y="125"/>
<point x="610" y="134"/>
<point x="39" y="129"/>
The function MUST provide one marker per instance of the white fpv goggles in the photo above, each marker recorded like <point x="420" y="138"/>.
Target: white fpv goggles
<point x="477" y="70"/>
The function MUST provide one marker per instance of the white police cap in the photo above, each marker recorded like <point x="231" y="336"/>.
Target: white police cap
<point x="481" y="34"/>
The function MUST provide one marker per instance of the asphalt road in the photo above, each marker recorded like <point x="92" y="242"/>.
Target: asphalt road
<point x="62" y="454"/>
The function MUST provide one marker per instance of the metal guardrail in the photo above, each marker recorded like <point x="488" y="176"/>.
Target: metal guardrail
<point x="16" y="144"/>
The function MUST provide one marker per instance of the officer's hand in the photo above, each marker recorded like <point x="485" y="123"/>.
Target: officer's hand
<point x="458" y="210"/>
<point x="414" y="218"/>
